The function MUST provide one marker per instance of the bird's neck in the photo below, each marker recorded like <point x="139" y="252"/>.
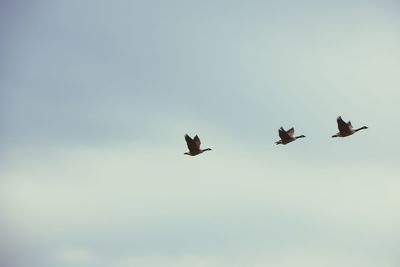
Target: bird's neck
<point x="362" y="128"/>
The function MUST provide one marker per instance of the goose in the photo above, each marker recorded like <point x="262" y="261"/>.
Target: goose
<point x="346" y="129"/>
<point x="287" y="136"/>
<point x="194" y="146"/>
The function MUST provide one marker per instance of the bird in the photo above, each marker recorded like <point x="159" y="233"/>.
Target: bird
<point x="287" y="136"/>
<point x="194" y="146"/>
<point x="346" y="129"/>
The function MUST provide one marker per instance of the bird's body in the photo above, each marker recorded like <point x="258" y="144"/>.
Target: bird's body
<point x="194" y="146"/>
<point x="287" y="136"/>
<point x="346" y="129"/>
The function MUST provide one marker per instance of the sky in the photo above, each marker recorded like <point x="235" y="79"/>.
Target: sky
<point x="96" y="97"/>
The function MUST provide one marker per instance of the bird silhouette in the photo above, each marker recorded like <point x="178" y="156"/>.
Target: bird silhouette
<point x="346" y="129"/>
<point x="287" y="136"/>
<point x="194" y="146"/>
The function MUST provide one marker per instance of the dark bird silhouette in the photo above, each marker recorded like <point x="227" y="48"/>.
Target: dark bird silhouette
<point x="287" y="136"/>
<point x="194" y="146"/>
<point x="346" y="129"/>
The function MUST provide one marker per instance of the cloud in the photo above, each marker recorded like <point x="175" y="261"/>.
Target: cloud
<point x="95" y="109"/>
<point x="116" y="204"/>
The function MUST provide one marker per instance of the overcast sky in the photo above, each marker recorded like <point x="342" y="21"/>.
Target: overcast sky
<point x="96" y="97"/>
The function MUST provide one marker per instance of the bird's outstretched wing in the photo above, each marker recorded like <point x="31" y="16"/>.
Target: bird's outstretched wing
<point x="197" y="141"/>
<point x="349" y="124"/>
<point x="290" y="132"/>
<point x="283" y="134"/>
<point x="191" y="144"/>
<point x="342" y="126"/>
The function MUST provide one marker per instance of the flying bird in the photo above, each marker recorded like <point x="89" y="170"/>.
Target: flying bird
<point x="287" y="136"/>
<point x="194" y="146"/>
<point x="346" y="129"/>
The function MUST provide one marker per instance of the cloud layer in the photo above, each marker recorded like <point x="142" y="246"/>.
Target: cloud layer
<point x="96" y="98"/>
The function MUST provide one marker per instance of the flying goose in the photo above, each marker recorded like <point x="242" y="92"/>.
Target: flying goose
<point x="194" y="146"/>
<point x="287" y="136"/>
<point x="346" y="129"/>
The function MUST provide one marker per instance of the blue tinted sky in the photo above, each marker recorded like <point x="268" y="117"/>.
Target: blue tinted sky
<point x="97" y="95"/>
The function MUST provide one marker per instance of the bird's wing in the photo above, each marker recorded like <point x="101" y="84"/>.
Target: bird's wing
<point x="190" y="144"/>
<point x="283" y="134"/>
<point x="290" y="132"/>
<point x="343" y="127"/>
<point x="349" y="124"/>
<point x="197" y="141"/>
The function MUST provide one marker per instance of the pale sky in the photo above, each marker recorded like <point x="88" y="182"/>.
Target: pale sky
<point x="96" y="97"/>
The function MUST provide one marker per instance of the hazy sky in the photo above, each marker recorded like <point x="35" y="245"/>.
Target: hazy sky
<point x="96" y="97"/>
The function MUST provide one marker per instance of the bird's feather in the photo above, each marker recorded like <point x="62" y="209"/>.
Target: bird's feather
<point x="290" y="132"/>
<point x="342" y="126"/>
<point x="283" y="134"/>
<point x="349" y="124"/>
<point x="197" y="141"/>
<point x="191" y="144"/>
